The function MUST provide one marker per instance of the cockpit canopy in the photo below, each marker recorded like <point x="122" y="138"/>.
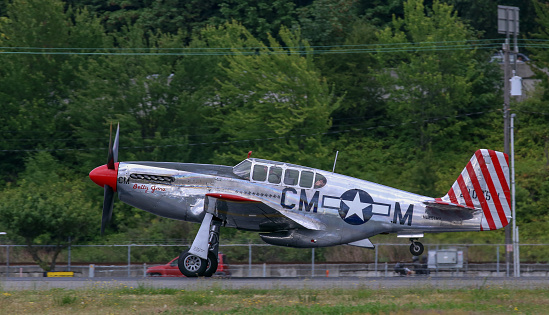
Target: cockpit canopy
<point x="278" y="173"/>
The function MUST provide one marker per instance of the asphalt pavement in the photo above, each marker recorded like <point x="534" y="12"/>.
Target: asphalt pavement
<point x="9" y="284"/>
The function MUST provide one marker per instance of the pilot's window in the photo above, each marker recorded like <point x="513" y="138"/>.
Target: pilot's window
<point x="320" y="181"/>
<point x="306" y="179"/>
<point x="291" y="176"/>
<point x="243" y="169"/>
<point x="275" y="174"/>
<point x="260" y="172"/>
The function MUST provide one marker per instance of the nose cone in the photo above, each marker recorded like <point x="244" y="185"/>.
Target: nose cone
<point x="103" y="175"/>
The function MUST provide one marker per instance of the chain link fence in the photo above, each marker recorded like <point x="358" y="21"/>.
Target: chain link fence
<point x="263" y="260"/>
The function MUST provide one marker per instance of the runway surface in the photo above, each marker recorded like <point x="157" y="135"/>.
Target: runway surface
<point x="9" y="284"/>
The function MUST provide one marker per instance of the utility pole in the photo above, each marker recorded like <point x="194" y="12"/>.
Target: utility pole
<point x="508" y="24"/>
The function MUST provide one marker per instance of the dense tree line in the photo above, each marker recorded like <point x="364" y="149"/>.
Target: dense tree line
<point x="401" y="88"/>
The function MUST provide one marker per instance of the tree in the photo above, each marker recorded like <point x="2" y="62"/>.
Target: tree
<point x="142" y="92"/>
<point x="36" y="83"/>
<point x="353" y="75"/>
<point x="429" y="85"/>
<point x="260" y="17"/>
<point x="275" y="95"/>
<point x="327" y="22"/>
<point x="46" y="207"/>
<point x="532" y="136"/>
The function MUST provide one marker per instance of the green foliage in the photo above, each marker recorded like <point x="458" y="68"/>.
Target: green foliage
<point x="34" y="87"/>
<point x="326" y="22"/>
<point x="429" y="90"/>
<point x="262" y="18"/>
<point x="408" y="119"/>
<point x="46" y="207"/>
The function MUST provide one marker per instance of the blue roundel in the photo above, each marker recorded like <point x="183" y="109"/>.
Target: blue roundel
<point x="355" y="207"/>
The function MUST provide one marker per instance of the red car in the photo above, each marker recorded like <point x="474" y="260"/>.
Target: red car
<point x="172" y="270"/>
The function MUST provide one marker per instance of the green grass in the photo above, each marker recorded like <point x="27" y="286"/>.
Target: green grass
<point x="148" y="300"/>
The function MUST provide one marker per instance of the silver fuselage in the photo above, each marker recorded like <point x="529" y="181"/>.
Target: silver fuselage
<point x="180" y="191"/>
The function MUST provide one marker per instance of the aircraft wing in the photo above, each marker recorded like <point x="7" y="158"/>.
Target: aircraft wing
<point x="255" y="215"/>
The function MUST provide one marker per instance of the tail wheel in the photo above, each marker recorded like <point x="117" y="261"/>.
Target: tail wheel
<point x="191" y="265"/>
<point x="212" y="265"/>
<point x="416" y="248"/>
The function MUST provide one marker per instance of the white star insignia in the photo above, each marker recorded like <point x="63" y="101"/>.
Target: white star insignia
<point x="355" y="207"/>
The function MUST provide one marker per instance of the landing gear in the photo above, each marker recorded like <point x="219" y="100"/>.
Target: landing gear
<point x="416" y="248"/>
<point x="212" y="265"/>
<point x="191" y="265"/>
<point x="190" y="262"/>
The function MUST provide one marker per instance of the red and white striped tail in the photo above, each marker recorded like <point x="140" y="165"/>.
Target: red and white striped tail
<point x="484" y="184"/>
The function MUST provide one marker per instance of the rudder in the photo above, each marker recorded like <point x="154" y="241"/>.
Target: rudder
<point x="484" y="184"/>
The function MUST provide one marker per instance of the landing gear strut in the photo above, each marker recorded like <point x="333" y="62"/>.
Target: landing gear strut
<point x="416" y="248"/>
<point x="190" y="263"/>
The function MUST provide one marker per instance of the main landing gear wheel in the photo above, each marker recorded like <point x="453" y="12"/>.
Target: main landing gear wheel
<point x="416" y="248"/>
<point x="212" y="265"/>
<point x="191" y="265"/>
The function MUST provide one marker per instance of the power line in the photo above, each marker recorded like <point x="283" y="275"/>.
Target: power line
<point x="268" y="50"/>
<point x="435" y="119"/>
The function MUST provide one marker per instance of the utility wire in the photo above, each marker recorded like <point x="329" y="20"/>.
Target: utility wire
<point x="269" y="50"/>
<point x="260" y="139"/>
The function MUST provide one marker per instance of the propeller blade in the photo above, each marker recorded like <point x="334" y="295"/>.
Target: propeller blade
<point x="113" y="150"/>
<point x="110" y="154"/>
<point x="108" y="202"/>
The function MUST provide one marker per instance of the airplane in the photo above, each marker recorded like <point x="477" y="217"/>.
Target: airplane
<point x="298" y="206"/>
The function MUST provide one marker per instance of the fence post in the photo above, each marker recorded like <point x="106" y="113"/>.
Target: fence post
<point x="129" y="259"/>
<point x="69" y="256"/>
<point x="312" y="263"/>
<point x="497" y="260"/>
<point x="249" y="260"/>
<point x="8" y="260"/>
<point x="375" y="261"/>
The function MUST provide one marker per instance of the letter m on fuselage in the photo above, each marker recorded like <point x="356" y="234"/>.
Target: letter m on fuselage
<point x="407" y="216"/>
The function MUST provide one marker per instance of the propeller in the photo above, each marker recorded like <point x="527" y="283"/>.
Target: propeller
<point x="113" y="150"/>
<point x="106" y="176"/>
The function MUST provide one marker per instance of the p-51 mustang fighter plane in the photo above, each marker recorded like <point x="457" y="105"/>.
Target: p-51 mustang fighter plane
<point x="297" y="206"/>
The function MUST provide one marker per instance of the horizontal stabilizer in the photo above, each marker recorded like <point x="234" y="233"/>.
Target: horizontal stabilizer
<point x="441" y="205"/>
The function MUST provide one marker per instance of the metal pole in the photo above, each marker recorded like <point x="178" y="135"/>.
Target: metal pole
<point x="8" y="260"/>
<point x="518" y="252"/>
<point x="515" y="257"/>
<point x="249" y="260"/>
<point x="312" y="263"/>
<point x="506" y="133"/>
<point x="129" y="259"/>
<point x="69" y="256"/>
<point x="497" y="260"/>
<point x="375" y="261"/>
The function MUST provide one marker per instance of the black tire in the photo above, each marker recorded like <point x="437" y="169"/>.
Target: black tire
<point x="416" y="248"/>
<point x="212" y="265"/>
<point x="191" y="265"/>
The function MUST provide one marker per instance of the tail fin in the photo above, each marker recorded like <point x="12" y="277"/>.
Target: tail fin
<point x="484" y="184"/>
